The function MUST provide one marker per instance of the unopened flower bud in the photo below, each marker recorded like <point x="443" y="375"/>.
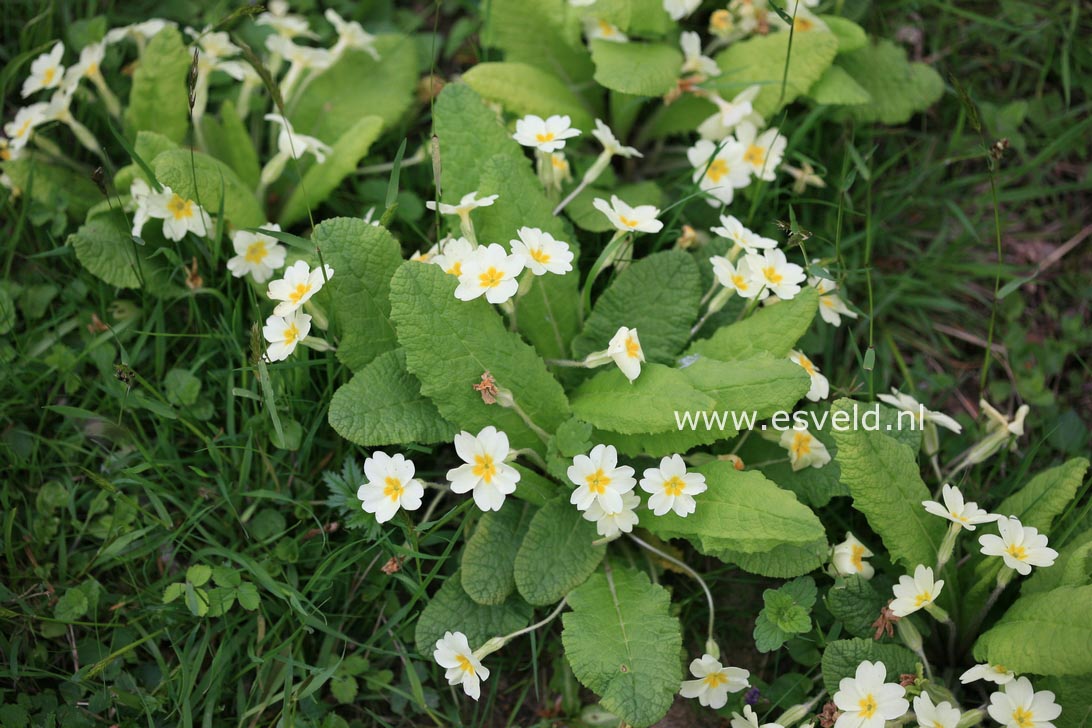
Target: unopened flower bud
<point x="909" y="634"/>
<point x="793" y="715"/>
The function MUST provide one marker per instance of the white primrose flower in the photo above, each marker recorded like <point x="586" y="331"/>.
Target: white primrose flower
<point x="679" y="9"/>
<point x="284" y="333"/>
<point x="256" y="254"/>
<point x="763" y="152"/>
<point x="849" y="556"/>
<point x="778" y="275"/>
<point x="713" y="681"/>
<point x="7" y="153"/>
<point x="599" y="479"/>
<point x="46" y="71"/>
<point x="831" y="307"/>
<point x="390" y="486"/>
<point x="926" y="419"/>
<point x="719" y="169"/>
<point x="542" y="254"/>
<point x="805" y="450"/>
<point x="1021" y="547"/>
<point x="545" y="135"/>
<point x="599" y="29"/>
<point x="641" y="218"/>
<point x="19" y="129"/>
<point x="625" y="349"/>
<point x="490" y="271"/>
<point x="485" y="471"/>
<point x="964" y="514"/>
<point x="466" y="204"/>
<point x="140" y="32"/>
<point x="1000" y="431"/>
<point x="455" y="253"/>
<point x="610" y="143"/>
<point x="463" y="668"/>
<point x="297" y="286"/>
<point x="89" y="65"/>
<point x="672" y="488"/>
<point x="820" y="386"/>
<point x="866" y="700"/>
<point x="350" y="36"/>
<point x="693" y="60"/>
<point x="301" y="59"/>
<point x="731" y="113"/>
<point x="915" y="592"/>
<point x="738" y="276"/>
<point x="285" y="24"/>
<point x="1018" y="705"/>
<point x="611" y="524"/>
<point x="803" y="20"/>
<point x="734" y="230"/>
<point x="941" y="715"/>
<point x="749" y="719"/>
<point x="426" y="256"/>
<point x="291" y="145"/>
<point x="990" y="673"/>
<point x="179" y="215"/>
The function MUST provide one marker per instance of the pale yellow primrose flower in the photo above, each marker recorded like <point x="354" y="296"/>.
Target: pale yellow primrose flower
<point x="599" y="479"/>
<point x="454" y="255"/>
<point x="19" y="130"/>
<point x="849" y="556"/>
<point x="599" y="29"/>
<point x="719" y="169"/>
<point x="1021" y="547"/>
<point x="672" y="488"/>
<point x="46" y="71"/>
<point x="454" y="654"/>
<point x="179" y="215"/>
<point x="963" y="514"/>
<point x="915" y="592"/>
<point x="780" y="277"/>
<point x="541" y="252"/>
<point x="256" y="254"/>
<point x="623" y="217"/>
<point x="489" y="271"/>
<point x="350" y="36"/>
<point x="545" y="135"/>
<point x="749" y="719"/>
<point x="1018" y="705"/>
<point x="284" y="333"/>
<point x="390" y="486"/>
<point x="679" y="9"/>
<point x="990" y="673"/>
<point x="941" y="715"/>
<point x="748" y="241"/>
<point x="738" y="277"/>
<point x="762" y="152"/>
<point x="297" y="286"/>
<point x="693" y="60"/>
<point x="831" y="306"/>
<point x="866" y="700"/>
<point x="820" y="386"/>
<point x="484" y="471"/>
<point x="610" y="142"/>
<point x="805" y="450"/>
<point x="625" y="349"/>
<point x="468" y="202"/>
<point x="713" y="681"/>
<point x="612" y="524"/>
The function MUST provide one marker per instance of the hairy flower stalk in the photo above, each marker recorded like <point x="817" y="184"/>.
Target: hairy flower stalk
<point x="497" y="643"/>
<point x="697" y="577"/>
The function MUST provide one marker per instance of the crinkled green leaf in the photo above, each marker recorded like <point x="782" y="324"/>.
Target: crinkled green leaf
<point x="542" y="33"/>
<point x="761" y="60"/>
<point x="772" y="329"/>
<point x="452" y="610"/>
<point x="780" y="562"/>
<point x="1046" y="496"/>
<point x="641" y="69"/>
<point x="1044" y="634"/>
<point x="841" y="658"/>
<point x="229" y="140"/>
<point x="490" y="554"/>
<point x="1072" y="568"/>
<point x="856" y="603"/>
<point x="1074" y="695"/>
<point x="899" y="89"/>
<point x="180" y="168"/>
<point x="449" y="344"/>
<point x="159" y="99"/>
<point x="584" y="215"/>
<point x="364" y="258"/>
<point x="611" y="402"/>
<point x="557" y="554"/>
<point x="55" y="187"/>
<point x="767" y="635"/>
<point x="71" y="606"/>
<point x="837" y="88"/>
<point x="105" y="248"/>
<point x="643" y="17"/>
<point x="248" y="596"/>
<point x="850" y="35"/>
<point x="534" y="488"/>
<point x="525" y="89"/>
<point x="382" y="405"/>
<point x="623" y="644"/>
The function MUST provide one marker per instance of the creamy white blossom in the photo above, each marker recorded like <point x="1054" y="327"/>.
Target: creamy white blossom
<point x="256" y="254"/>
<point x="285" y="24"/>
<point x="46" y="71"/>
<point x="599" y="479"/>
<point x="679" y="9"/>
<point x="998" y="674"/>
<point x="693" y="60"/>
<point x="848" y="558"/>
<point x="915" y="592"/>
<point x="284" y="333"/>
<point x="713" y="681"/>
<point x="1018" y="705"/>
<point x="454" y="654"/>
<point x="867" y="700"/>
<point x="545" y="135"/>
<point x="738" y="276"/>
<point x="140" y="32"/>
<point x="350" y="36"/>
<point x="820" y="386"/>
<point x="454" y="254"/>
<point x="831" y="307"/>
<point x="19" y="129"/>
<point x="600" y="29"/>
<point x="609" y="524"/>
<point x="489" y="271"/>
<point x="179" y="215"/>
<point x="672" y="488"/>
<point x="780" y="277"/>
<point x="390" y="486"/>
<point x="625" y="349"/>
<point x="719" y="169"/>
<point x="610" y="143"/>
<point x="749" y="719"/>
<point x="965" y="514"/>
<point x="542" y="253"/>
<point x="466" y="204"/>
<point x="805" y="450"/>
<point x="749" y="242"/>
<point x="623" y="217"/>
<point x="731" y="113"/>
<point x="761" y="152"/>
<point x="484" y="471"/>
<point x="941" y="715"/>
<point x="1021" y="547"/>
<point x="291" y="145"/>
<point x="299" y="284"/>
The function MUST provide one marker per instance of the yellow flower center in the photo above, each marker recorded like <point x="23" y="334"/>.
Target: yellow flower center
<point x="464" y="664"/>
<point x="484" y="467"/>
<point x="540" y="255"/>
<point x="633" y="349"/>
<point x="1023" y="718"/>
<point x="808" y="366"/>
<point x="92" y="69"/>
<point x="606" y="28"/>
<point x="739" y="282"/>
<point x="1017" y="552"/>
<point x="674" y="486"/>
<point x="598" y="482"/>
<point x="856" y="556"/>
<point x="714" y="679"/>
<point x="721" y="20"/>
<point x="803" y="25"/>
<point x="546" y="136"/>
<point x="754" y="155"/>
<point x="959" y="517"/>
<point x="301" y="290"/>
<point x="717" y="170"/>
<point x="393" y="488"/>
<point x="772" y="275"/>
<point x="47" y="77"/>
<point x="801" y="443"/>
<point x="559" y="162"/>
<point x="5" y="154"/>
<point x="923" y="599"/>
<point x="491" y="278"/>
<point x="868" y="706"/>
<point x="256" y="252"/>
<point x="291" y="334"/>
<point x="181" y="209"/>
<point x="1000" y="669"/>
<point x="456" y="268"/>
<point x="827" y="301"/>
<point x="627" y="222"/>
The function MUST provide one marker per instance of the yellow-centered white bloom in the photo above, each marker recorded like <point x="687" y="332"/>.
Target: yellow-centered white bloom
<point x="489" y="271"/>
<point x="284" y="333"/>
<point x="777" y="274"/>
<point x="454" y="654"/>
<point x="915" y="592"/>
<point x="599" y="479"/>
<point x="713" y="681"/>
<point x="611" y="524"/>
<point x="737" y="276"/>
<point x="19" y="129"/>
<point x="350" y="36"/>
<point x="301" y="59"/>
<point x="820" y="386"/>
<point x="749" y="719"/>
<point x="748" y="241"/>
<point x="679" y="9"/>
<point x="427" y="256"/>
<point x="805" y="450"/>
<point x="849" y="556"/>
<point x="941" y="715"/>
<point x="89" y="66"/>
<point x="256" y="254"/>
<point x="693" y="60"/>
<point x="1021" y="547"/>
<point x="965" y="514"/>
<point x="672" y="488"/>
<point x="927" y="420"/>
<point x="623" y="217"/>
<point x="866" y="700"/>
<point x="1000" y="431"/>
<point x="599" y="29"/>
<point x="990" y="673"/>
<point x="762" y="152"/>
<point x="454" y="254"/>
<point x="541" y="252"/>
<point x="625" y="349"/>
<point x="46" y="71"/>
<point x="467" y="203"/>
<point x="803" y="20"/>
<point x="731" y="113"/>
<point x="719" y="169"/>
<point x="484" y="471"/>
<point x="610" y="143"/>
<point x="1018" y="705"/>
<point x="7" y="153"/>
<point x="179" y="214"/>
<point x="285" y="24"/>
<point x="297" y="286"/>
<point x="545" y="135"/>
<point x="390" y="486"/>
<point x="831" y="307"/>
<point x="141" y="32"/>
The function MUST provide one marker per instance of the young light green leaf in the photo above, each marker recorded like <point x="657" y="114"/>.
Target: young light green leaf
<point x="641" y="69"/>
<point x="525" y="89"/>
<point x="1046" y="496"/>
<point x="761" y="60"/>
<point x="772" y="329"/>
<point x="557" y="554"/>
<point x="228" y="139"/>
<point x="198" y="574"/>
<point x="490" y="554"/>
<point x="451" y="610"/>
<point x="898" y="89"/>
<point x="159" y="100"/>
<point x="1043" y="634"/>
<point x="106" y="249"/>
<point x="837" y="88"/>
<point x="611" y="402"/>
<point x="780" y="562"/>
<point x="541" y="33"/>
<point x="850" y="35"/>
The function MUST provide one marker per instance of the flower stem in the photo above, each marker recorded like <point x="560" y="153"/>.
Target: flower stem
<point x="590" y="176"/>
<point x="688" y="570"/>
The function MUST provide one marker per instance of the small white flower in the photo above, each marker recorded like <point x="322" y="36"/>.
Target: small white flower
<point x="820" y="387"/>
<point x="941" y="715"/>
<point x="427" y="256"/>
<point x="89" y="65"/>
<point x="46" y="72"/>
<point x="292" y="143"/>
<point x="485" y="471"/>
<point x="672" y="488"/>
<point x="140" y="32"/>
<point x="284" y="333"/>
<point x="390" y="486"/>
<point x="1021" y="547"/>
<point x="713" y="682"/>
<point x="964" y="514"/>
<point x="256" y="254"/>
<point x="739" y="277"/>
<point x="734" y="230"/>
<point x="1018" y="705"/>
<point x="805" y="450"/>
<point x="641" y="218"/>
<point x="831" y="307"/>
<point x="19" y="129"/>
<point x="350" y="36"/>
<point x="545" y="135"/>
<point x="284" y="23"/>
<point x="599" y="479"/>
<point x="610" y="143"/>
<point x="179" y="215"/>
<point x="489" y="271"/>
<point x="456" y="252"/>
<point x="693" y="60"/>
<point x="866" y="701"/>
<point x="991" y="673"/>
<point x="297" y="286"/>
<point x="915" y="592"/>
<point x="849" y="556"/>
<point x="778" y="275"/>
<point x="609" y="525"/>
<point x="541" y="252"/>
<point x="731" y="113"/>
<point x="468" y="202"/>
<point x="599" y="29"/>
<point x="463" y="668"/>
<point x="719" y="169"/>
<point x="803" y="19"/>
<point x="625" y="349"/>
<point x="749" y="719"/>
<point x="906" y="403"/>
<point x="763" y="152"/>
<point x="679" y="9"/>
